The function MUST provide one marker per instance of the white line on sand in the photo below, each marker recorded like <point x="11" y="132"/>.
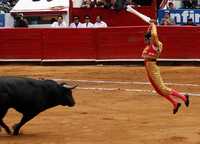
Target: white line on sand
<point x="123" y="82"/>
<point x="129" y="90"/>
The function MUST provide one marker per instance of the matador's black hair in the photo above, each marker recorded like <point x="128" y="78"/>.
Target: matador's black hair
<point x="147" y="35"/>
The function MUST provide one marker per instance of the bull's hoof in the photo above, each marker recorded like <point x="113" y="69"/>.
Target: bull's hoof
<point x="8" y="131"/>
<point x="15" y="131"/>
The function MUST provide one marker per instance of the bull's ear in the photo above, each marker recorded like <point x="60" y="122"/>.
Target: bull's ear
<point x="69" y="87"/>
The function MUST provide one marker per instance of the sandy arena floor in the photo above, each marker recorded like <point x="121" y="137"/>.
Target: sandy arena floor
<point x="115" y="105"/>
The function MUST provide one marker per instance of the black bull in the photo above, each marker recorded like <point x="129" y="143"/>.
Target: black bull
<point x="30" y="97"/>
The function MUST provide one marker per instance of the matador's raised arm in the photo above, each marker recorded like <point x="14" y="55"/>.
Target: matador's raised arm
<point x="154" y="34"/>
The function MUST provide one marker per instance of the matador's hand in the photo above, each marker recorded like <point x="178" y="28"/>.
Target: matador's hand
<point x="153" y="21"/>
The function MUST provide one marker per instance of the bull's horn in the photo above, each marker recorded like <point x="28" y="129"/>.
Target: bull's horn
<point x="62" y="83"/>
<point x="70" y="87"/>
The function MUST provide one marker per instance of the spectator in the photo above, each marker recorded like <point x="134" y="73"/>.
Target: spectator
<point x="59" y="23"/>
<point x="100" y="3"/>
<point x="190" y="22"/>
<point x="170" y="6"/>
<point x="5" y="7"/>
<point x="99" y="23"/>
<point x="119" y="5"/>
<point x="108" y="4"/>
<point x="143" y="2"/>
<point x="131" y="3"/>
<point x="12" y="2"/>
<point x="167" y="20"/>
<point x="87" y="4"/>
<point x="20" y="21"/>
<point x="52" y="20"/>
<point x="198" y="4"/>
<point x="87" y="23"/>
<point x="76" y="23"/>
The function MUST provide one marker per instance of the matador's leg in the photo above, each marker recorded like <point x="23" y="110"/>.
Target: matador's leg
<point x="157" y="82"/>
<point x="185" y="98"/>
<point x="162" y="89"/>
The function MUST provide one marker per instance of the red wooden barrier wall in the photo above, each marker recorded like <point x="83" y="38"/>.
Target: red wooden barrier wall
<point x="69" y="44"/>
<point x="180" y="42"/>
<point x="120" y="43"/>
<point x="21" y="43"/>
<point x="109" y="43"/>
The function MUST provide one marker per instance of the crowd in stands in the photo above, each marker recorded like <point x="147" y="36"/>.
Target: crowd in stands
<point x="20" y="21"/>
<point x="167" y="20"/>
<point x="114" y="4"/>
<point x="7" y="5"/>
<point x="99" y="23"/>
<point x="191" y="4"/>
<point x="185" y="4"/>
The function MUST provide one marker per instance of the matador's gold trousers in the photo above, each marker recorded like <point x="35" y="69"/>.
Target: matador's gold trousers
<point x="156" y="80"/>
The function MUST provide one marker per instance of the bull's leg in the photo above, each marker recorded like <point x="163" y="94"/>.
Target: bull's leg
<point x="5" y="127"/>
<point x="2" y="114"/>
<point x="25" y="118"/>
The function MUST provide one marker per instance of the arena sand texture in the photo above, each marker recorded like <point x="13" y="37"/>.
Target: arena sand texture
<point x="112" y="116"/>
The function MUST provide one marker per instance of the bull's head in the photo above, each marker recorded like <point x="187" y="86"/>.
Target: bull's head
<point x="68" y="97"/>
